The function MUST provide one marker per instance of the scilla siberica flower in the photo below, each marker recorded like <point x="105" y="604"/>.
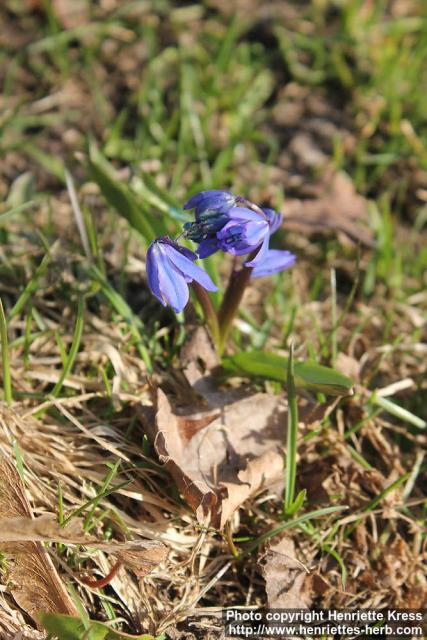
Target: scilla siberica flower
<point x="211" y="214"/>
<point x="170" y="269"/>
<point x="274" y="261"/>
<point x="239" y="230"/>
<point x="222" y="222"/>
<point x="213" y="200"/>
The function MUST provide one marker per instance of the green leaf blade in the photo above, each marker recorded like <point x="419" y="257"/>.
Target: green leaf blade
<point x="307" y="375"/>
<point x="68" y="627"/>
<point x="121" y="198"/>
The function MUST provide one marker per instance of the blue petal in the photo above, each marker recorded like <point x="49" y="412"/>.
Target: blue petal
<point x="238" y="238"/>
<point x="261" y="255"/>
<point x="244" y="214"/>
<point x="173" y="287"/>
<point x="186" y="252"/>
<point x="274" y="219"/>
<point x="207" y="248"/>
<point x="256" y="232"/>
<point x="273" y="262"/>
<point x="165" y="240"/>
<point x="152" y="268"/>
<point x="210" y="199"/>
<point x="191" y="271"/>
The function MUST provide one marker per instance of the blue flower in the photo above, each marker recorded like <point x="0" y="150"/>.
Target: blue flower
<point x="239" y="230"/>
<point x="273" y="261"/>
<point x="211" y="214"/>
<point x="170" y="268"/>
<point x="274" y="219"/>
<point x="245" y="231"/>
<point x="209" y="222"/>
<point x="213" y="200"/>
<point x="248" y="231"/>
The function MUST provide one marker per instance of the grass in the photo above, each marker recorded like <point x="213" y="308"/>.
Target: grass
<point x="291" y="504"/>
<point x="107" y="125"/>
<point x="7" y="383"/>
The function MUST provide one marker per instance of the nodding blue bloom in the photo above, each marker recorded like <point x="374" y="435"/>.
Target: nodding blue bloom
<point x="273" y="261"/>
<point x="170" y="268"/>
<point x="211" y="209"/>
<point x="210" y="221"/>
<point x="248" y="230"/>
<point x="213" y="200"/>
<point x="274" y="219"/>
<point x="237" y="231"/>
<point x="245" y="231"/>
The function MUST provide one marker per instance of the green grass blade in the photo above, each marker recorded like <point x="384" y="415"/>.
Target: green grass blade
<point x="334" y="343"/>
<point x="121" y="307"/>
<point x="32" y="286"/>
<point x="78" y="215"/>
<point x="289" y="524"/>
<point x="6" y="215"/>
<point x="297" y="503"/>
<point x="291" y="448"/>
<point x="74" y="349"/>
<point x="99" y="496"/>
<point x="338" y="558"/>
<point x="410" y="484"/>
<point x="108" y="479"/>
<point x="391" y="487"/>
<point x="120" y="197"/>
<point x="398" y="412"/>
<point x="52" y="163"/>
<point x="7" y="380"/>
<point x="19" y="458"/>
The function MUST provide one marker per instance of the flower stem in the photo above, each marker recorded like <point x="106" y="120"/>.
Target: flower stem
<point x="232" y="298"/>
<point x="208" y="311"/>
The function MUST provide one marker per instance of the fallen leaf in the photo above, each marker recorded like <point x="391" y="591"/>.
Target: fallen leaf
<point x="142" y="560"/>
<point x="220" y="465"/>
<point x="287" y="582"/>
<point x="198" y="346"/>
<point x="221" y="456"/>
<point x="337" y="207"/>
<point x="142" y="556"/>
<point x="40" y="529"/>
<point x="220" y="445"/>
<point x="34" y="582"/>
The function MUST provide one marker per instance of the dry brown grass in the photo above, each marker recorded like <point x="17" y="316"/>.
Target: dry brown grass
<point x="53" y="101"/>
<point x="69" y="440"/>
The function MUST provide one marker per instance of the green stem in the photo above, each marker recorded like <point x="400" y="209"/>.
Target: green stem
<point x="231" y="301"/>
<point x="208" y="311"/>
<point x="7" y="383"/>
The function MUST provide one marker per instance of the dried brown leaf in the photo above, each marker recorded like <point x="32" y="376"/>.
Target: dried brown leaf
<point x="287" y="583"/>
<point x="337" y="208"/>
<point x="34" y="583"/>
<point x="142" y="560"/>
<point x="198" y="346"/>
<point x="222" y="456"/>
<point x="219" y="466"/>
<point x="45" y="528"/>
